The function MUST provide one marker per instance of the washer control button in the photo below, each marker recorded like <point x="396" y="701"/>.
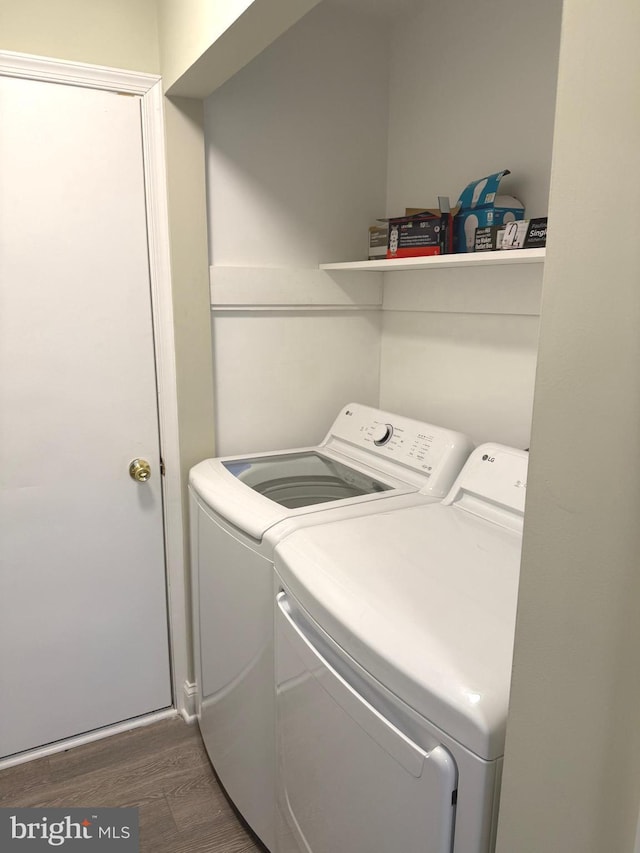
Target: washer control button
<point x="382" y="433"/>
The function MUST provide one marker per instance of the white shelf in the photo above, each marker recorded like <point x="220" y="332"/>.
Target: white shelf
<point x="473" y="259"/>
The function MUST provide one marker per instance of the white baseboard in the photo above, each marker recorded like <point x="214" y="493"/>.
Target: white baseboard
<point x="89" y="737"/>
<point x="188" y="711"/>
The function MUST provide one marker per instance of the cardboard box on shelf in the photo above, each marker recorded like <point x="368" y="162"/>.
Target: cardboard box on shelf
<point x="421" y="232"/>
<point x="479" y="206"/>
<point x="378" y="241"/>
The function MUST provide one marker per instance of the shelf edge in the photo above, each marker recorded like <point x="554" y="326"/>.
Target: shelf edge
<point x="474" y="259"/>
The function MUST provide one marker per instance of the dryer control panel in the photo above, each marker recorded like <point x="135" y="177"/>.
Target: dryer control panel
<point x="428" y="450"/>
<point x="493" y="482"/>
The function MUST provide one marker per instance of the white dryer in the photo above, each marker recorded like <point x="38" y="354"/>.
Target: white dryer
<point x="394" y="638"/>
<point x="241" y="507"/>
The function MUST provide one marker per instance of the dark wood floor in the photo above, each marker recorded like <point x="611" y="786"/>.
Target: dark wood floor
<point x="162" y="769"/>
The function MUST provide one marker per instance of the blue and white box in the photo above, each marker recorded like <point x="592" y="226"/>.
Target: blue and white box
<point x="481" y="206"/>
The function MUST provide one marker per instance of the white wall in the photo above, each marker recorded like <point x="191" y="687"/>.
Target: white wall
<point x="472" y="91"/>
<point x="572" y="765"/>
<point x="281" y="378"/>
<point x="339" y="122"/>
<point x="473" y="373"/>
<point x="296" y="147"/>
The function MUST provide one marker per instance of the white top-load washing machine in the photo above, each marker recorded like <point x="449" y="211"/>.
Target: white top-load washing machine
<point x="394" y="638"/>
<point x="240" y="508"/>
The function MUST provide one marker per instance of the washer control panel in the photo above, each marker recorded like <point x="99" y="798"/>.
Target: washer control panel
<point x="423" y="447"/>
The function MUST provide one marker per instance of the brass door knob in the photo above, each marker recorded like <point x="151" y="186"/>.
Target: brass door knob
<point x="140" y="470"/>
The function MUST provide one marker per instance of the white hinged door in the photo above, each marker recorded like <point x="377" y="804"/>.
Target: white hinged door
<point x="83" y="618"/>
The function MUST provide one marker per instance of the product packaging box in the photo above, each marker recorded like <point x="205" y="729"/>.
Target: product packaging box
<point x="480" y="206"/>
<point x="378" y="241"/>
<point x="421" y="232"/>
<point x="520" y="234"/>
<point x="489" y="238"/>
<point x="525" y="234"/>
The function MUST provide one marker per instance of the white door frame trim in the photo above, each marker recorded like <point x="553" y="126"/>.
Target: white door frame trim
<point x="149" y="88"/>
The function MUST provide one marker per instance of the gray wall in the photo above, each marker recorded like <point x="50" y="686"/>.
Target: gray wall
<point x="572" y="769"/>
<point x="102" y="32"/>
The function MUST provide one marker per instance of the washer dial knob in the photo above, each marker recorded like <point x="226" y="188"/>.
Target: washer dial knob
<point x="382" y="433"/>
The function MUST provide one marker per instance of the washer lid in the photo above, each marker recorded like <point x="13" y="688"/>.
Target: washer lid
<point x="256" y="492"/>
<point x="425" y="600"/>
<point x="304" y="478"/>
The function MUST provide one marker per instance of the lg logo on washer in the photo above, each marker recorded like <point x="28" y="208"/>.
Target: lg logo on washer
<point x="487" y="458"/>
